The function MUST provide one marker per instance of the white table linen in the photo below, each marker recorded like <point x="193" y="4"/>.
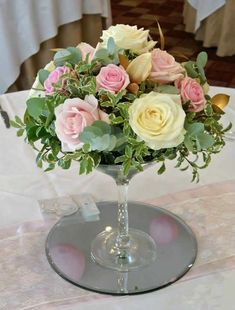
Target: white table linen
<point x="24" y="24"/>
<point x="205" y="9"/>
<point x="20" y="176"/>
<point x="22" y="184"/>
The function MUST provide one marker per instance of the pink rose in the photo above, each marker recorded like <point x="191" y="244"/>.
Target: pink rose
<point x="54" y="78"/>
<point x="86" y="49"/>
<point x="73" y="116"/>
<point x="112" y="78"/>
<point x="191" y="90"/>
<point x="164" y="67"/>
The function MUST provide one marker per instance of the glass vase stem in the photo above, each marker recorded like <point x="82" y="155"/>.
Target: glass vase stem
<point x="122" y="248"/>
<point x="123" y="238"/>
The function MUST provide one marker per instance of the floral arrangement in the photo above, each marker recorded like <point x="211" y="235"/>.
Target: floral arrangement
<point x="124" y="102"/>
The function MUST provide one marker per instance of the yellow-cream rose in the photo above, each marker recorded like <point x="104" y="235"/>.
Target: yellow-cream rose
<point x="158" y="119"/>
<point x="140" y="68"/>
<point x="129" y="37"/>
<point x="37" y="89"/>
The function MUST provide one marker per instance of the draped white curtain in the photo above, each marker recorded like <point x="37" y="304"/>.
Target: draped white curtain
<point x="24" y="24"/>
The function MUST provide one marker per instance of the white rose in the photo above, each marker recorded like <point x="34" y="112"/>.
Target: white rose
<point x="37" y="88"/>
<point x="129" y="37"/>
<point x="158" y="120"/>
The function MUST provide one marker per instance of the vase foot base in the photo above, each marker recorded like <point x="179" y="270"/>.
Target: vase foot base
<point x="68" y="249"/>
<point x="139" y="252"/>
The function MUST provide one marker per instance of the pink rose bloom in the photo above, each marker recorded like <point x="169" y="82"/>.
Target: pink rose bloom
<point x="86" y="49"/>
<point x="73" y="116"/>
<point x="54" y="78"/>
<point x="112" y="78"/>
<point x="193" y="91"/>
<point x="164" y="67"/>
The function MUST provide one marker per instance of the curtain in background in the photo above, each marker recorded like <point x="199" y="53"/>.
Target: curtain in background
<point x="88" y="29"/>
<point x="217" y="30"/>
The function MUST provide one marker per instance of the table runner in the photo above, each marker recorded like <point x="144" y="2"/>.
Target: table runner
<point x="28" y="282"/>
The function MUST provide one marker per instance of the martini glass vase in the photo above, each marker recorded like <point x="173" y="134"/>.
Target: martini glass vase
<point x="122" y="248"/>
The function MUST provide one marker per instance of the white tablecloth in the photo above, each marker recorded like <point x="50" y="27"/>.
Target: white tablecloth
<point x="21" y="225"/>
<point x="205" y="8"/>
<point x="24" y="24"/>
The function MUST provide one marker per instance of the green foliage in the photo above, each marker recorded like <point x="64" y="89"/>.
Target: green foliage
<point x="71" y="55"/>
<point x="195" y="69"/>
<point x="108" y="55"/>
<point x="196" y="139"/>
<point x="111" y="47"/>
<point x="85" y="85"/>
<point x="43" y="75"/>
<point x="167" y="89"/>
<point x="202" y="59"/>
<point x="116" y="142"/>
<point x="35" y="106"/>
<point x="100" y="136"/>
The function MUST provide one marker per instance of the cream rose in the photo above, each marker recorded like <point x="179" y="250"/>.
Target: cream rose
<point x="158" y="119"/>
<point x="139" y="68"/>
<point x="129" y="37"/>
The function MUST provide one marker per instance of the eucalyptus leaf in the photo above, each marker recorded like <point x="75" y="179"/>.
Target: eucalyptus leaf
<point x="43" y="75"/>
<point x="205" y="140"/>
<point x="202" y="73"/>
<point x="188" y="142"/>
<point x="102" y="53"/>
<point x="167" y="89"/>
<point x="121" y="139"/>
<point x="35" y="106"/>
<point x="61" y="57"/>
<point x="102" y="126"/>
<point x="194" y="128"/>
<point x="202" y="58"/>
<point x="111" y="45"/>
<point x="112" y="143"/>
<point x="100" y="143"/>
<point x="189" y="66"/>
<point x="76" y="55"/>
<point x="90" y="133"/>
